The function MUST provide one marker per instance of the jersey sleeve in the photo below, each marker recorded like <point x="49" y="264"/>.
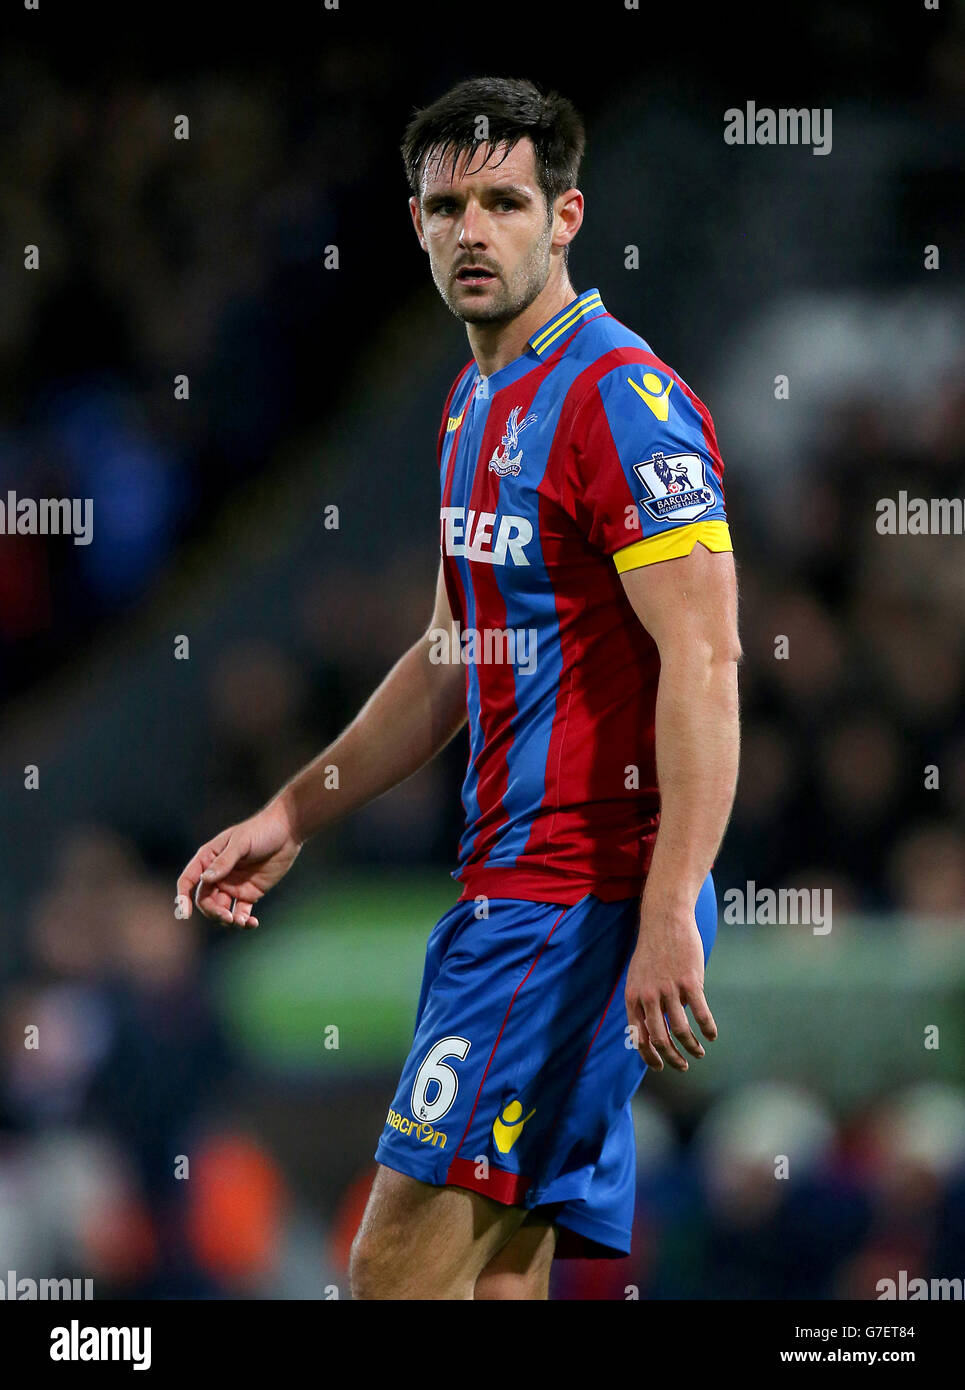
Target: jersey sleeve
<point x="648" y="481"/>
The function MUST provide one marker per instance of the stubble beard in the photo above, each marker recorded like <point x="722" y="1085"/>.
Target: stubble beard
<point x="508" y="301"/>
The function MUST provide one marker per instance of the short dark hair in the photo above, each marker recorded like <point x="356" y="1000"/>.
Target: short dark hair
<point x="514" y="108"/>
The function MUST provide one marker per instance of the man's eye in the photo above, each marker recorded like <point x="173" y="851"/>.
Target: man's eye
<point x="507" y="203"/>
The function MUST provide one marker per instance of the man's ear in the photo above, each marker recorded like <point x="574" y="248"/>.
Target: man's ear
<point x="569" y="210"/>
<point x="416" y="212"/>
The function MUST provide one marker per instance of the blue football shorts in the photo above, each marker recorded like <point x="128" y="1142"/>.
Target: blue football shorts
<point x="522" y="1068"/>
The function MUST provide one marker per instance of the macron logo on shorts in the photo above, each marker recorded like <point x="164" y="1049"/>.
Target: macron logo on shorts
<point x="508" y="1126"/>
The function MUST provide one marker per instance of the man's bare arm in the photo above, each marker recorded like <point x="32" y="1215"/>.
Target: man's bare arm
<point x="689" y="607"/>
<point x="413" y="714"/>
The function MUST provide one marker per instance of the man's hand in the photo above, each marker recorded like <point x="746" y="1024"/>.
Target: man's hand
<point x="236" y="868"/>
<point x="666" y="972"/>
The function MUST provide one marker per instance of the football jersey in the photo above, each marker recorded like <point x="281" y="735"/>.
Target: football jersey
<point x="584" y="457"/>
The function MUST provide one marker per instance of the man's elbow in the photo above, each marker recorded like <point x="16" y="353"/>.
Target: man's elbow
<point x="729" y="651"/>
<point x="711" y="649"/>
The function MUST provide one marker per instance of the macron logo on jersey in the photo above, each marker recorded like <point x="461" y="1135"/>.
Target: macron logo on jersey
<point x="471" y="535"/>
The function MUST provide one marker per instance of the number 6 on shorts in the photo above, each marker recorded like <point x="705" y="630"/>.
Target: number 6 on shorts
<point x="435" y="1069"/>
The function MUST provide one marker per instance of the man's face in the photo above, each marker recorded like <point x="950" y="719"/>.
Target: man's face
<point x="487" y="230"/>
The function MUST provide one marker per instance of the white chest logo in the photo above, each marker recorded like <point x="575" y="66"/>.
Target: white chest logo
<point x="504" y="460"/>
<point x="471" y="534"/>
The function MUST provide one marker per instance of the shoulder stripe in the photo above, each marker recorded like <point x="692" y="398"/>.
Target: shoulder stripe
<point x="560" y="325"/>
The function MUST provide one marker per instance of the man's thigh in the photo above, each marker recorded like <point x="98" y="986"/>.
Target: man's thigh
<point x="521" y="1269"/>
<point x="421" y="1241"/>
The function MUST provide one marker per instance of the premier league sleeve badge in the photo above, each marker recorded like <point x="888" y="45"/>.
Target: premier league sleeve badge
<point x="676" y="486"/>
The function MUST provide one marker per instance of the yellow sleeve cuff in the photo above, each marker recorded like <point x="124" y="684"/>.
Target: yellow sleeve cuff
<point x="669" y="545"/>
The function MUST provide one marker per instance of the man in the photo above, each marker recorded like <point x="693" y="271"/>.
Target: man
<point x="582" y="523"/>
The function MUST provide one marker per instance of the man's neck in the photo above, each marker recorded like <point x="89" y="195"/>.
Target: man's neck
<point x="495" y="345"/>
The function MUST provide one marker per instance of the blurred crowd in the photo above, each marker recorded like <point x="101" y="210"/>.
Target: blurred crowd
<point x="853" y="760"/>
<point x="161" y="259"/>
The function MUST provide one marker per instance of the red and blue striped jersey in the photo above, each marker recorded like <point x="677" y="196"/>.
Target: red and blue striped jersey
<point x="584" y="457"/>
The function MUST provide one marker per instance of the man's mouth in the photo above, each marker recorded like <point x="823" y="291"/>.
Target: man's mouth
<point x="475" y="275"/>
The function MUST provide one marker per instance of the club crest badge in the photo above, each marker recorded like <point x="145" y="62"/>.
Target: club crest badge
<point x="504" y="460"/>
<point x="677" y="487"/>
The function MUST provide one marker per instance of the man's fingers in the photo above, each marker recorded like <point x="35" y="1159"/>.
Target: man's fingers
<point x="701" y="1012"/>
<point x="215" y="903"/>
<point x="661" y="1039"/>
<point x="680" y="1028"/>
<point x="647" y="1050"/>
<point x="641" y="1038"/>
<point x="219" y="904"/>
<point x="223" y="862"/>
<point x="192" y="871"/>
<point x="239" y="911"/>
<point x="188" y="887"/>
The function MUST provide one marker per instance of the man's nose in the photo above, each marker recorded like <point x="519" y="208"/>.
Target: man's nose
<point x="472" y="230"/>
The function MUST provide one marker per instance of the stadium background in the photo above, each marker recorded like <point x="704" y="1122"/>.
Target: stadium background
<point x="313" y="387"/>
